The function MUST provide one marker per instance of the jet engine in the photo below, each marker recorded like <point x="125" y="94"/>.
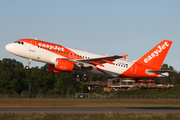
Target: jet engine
<point x="65" y="65"/>
<point x="51" y="68"/>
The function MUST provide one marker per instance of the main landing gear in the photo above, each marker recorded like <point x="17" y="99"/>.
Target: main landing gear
<point x="28" y="63"/>
<point x="83" y="79"/>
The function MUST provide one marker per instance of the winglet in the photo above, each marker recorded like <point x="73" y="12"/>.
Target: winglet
<point x="124" y="56"/>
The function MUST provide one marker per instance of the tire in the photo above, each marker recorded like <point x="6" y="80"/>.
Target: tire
<point x="84" y="78"/>
<point x="27" y="67"/>
<point x="77" y="79"/>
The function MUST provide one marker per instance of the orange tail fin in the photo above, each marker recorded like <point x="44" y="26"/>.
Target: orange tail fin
<point x="156" y="56"/>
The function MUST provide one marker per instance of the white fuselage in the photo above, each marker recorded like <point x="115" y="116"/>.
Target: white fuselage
<point x="62" y="59"/>
<point x="41" y="54"/>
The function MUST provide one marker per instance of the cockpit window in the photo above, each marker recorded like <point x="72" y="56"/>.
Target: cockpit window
<point x="19" y="42"/>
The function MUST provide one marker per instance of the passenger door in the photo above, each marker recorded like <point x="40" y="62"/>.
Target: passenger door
<point x="32" y="46"/>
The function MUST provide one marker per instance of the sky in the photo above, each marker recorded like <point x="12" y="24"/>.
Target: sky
<point x="115" y="27"/>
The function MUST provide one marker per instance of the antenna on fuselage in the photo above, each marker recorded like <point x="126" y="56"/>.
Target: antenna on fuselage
<point x="36" y="38"/>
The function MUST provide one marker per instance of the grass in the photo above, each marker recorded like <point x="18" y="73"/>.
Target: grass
<point x="90" y="116"/>
<point x="50" y="102"/>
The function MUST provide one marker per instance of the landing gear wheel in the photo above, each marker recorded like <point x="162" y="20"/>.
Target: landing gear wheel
<point x="27" y="67"/>
<point x="77" y="79"/>
<point x="28" y="63"/>
<point x="84" y="78"/>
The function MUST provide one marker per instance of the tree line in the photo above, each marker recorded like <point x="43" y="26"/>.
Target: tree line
<point x="174" y="76"/>
<point x="14" y="79"/>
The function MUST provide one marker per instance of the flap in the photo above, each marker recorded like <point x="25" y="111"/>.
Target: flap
<point x="100" y="61"/>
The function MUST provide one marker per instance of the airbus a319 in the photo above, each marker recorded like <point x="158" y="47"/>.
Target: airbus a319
<point x="60" y="59"/>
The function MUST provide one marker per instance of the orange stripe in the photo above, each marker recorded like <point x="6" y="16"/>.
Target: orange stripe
<point x="54" y="48"/>
<point x="108" y="61"/>
<point x="97" y="63"/>
<point x="101" y="70"/>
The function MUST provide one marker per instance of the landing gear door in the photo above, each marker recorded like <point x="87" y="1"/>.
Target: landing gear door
<point x="32" y="46"/>
<point x="133" y="69"/>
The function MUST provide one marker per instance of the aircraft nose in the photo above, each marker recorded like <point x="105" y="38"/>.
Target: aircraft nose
<point x="9" y="47"/>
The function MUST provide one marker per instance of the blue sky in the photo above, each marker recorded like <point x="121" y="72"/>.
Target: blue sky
<point x="116" y="27"/>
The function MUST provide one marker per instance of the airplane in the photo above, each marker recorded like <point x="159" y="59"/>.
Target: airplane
<point x="60" y="59"/>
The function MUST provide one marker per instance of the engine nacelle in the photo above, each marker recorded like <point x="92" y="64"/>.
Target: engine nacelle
<point x="65" y="65"/>
<point x="51" y="68"/>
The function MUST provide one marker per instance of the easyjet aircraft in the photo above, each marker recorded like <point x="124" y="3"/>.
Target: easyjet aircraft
<point x="60" y="59"/>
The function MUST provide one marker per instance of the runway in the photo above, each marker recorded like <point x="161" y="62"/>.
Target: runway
<point x="93" y="110"/>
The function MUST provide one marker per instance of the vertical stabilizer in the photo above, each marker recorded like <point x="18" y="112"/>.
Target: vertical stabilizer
<point x="156" y="56"/>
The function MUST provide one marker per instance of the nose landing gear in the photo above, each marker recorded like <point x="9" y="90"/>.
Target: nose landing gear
<point x="28" y="63"/>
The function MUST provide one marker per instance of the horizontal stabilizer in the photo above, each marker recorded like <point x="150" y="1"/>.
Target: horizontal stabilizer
<point x="160" y="71"/>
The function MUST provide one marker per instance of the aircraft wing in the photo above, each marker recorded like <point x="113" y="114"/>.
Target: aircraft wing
<point x="98" y="61"/>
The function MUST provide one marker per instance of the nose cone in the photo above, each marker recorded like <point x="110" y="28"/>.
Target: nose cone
<point x="9" y="47"/>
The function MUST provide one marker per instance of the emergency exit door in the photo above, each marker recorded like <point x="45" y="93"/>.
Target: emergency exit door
<point x="133" y="69"/>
